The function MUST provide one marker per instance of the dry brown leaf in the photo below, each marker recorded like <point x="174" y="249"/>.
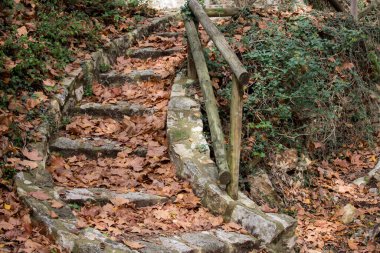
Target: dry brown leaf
<point x="118" y="201"/>
<point x="133" y="245"/>
<point x="22" y="31"/>
<point x="53" y="215"/>
<point x="56" y="204"/>
<point x="352" y="244"/>
<point x="28" y="164"/>
<point x="31" y="155"/>
<point x="6" y="225"/>
<point x="39" y="195"/>
<point x="81" y="224"/>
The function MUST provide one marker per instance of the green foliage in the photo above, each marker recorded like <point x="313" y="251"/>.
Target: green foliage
<point x="88" y="90"/>
<point x="8" y="172"/>
<point x="7" y="4"/>
<point x="60" y="27"/>
<point x="311" y="83"/>
<point x="74" y="206"/>
<point x="103" y="68"/>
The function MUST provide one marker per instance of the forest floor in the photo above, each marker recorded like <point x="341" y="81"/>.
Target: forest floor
<point x="312" y="181"/>
<point x="318" y="207"/>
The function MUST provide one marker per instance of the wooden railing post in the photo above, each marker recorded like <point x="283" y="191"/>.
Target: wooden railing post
<point x="236" y="117"/>
<point x="191" y="71"/>
<point x="213" y="118"/>
<point x="354" y="9"/>
<point x="240" y="78"/>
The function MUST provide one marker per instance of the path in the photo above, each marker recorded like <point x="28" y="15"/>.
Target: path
<point x="111" y="166"/>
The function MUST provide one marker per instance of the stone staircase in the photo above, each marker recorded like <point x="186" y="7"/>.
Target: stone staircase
<point x="61" y="181"/>
<point x="94" y="147"/>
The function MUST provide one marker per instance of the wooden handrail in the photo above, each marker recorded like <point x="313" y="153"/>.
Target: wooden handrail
<point x="239" y="78"/>
<point x="220" y="42"/>
<point x="217" y="135"/>
<point x="236" y="118"/>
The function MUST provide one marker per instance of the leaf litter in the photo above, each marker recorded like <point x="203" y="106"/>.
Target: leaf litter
<point x="142" y="166"/>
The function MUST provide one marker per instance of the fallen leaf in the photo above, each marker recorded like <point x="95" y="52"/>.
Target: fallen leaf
<point x="6" y="225"/>
<point x="7" y="206"/>
<point x="28" y="164"/>
<point x="352" y="244"/>
<point x="39" y="195"/>
<point x="22" y="31"/>
<point x="81" y="224"/>
<point x="53" y="214"/>
<point x="118" y="201"/>
<point x="31" y="155"/>
<point x="133" y="245"/>
<point x="56" y="204"/>
<point x="49" y="82"/>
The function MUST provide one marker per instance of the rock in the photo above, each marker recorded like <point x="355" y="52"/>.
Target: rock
<point x="349" y="213"/>
<point x="375" y="173"/>
<point x="154" y="248"/>
<point x="217" y="201"/>
<point x="141" y="199"/>
<point x="79" y="93"/>
<point x="149" y="52"/>
<point x="113" y="78"/>
<point x="89" y="147"/>
<point x="204" y="241"/>
<point x="183" y="103"/>
<point x="373" y="191"/>
<point x="141" y="151"/>
<point x="117" y="110"/>
<point x="238" y="243"/>
<point x="102" y="196"/>
<point x="168" y="34"/>
<point x="257" y="223"/>
<point x="361" y="181"/>
<point x="262" y="190"/>
<point x="176" y="245"/>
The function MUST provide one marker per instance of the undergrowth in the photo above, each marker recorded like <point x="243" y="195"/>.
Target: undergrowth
<point x="313" y="83"/>
<point x="54" y="31"/>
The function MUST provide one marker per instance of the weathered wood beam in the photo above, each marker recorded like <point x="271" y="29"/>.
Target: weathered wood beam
<point x="213" y="118"/>
<point x="222" y="12"/>
<point x="220" y="42"/>
<point x="354" y="9"/>
<point x="236" y="117"/>
<point x="191" y="70"/>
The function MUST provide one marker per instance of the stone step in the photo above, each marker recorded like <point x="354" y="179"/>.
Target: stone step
<point x="150" y="52"/>
<point x="91" y="147"/>
<point x="114" y="78"/>
<point x="103" y="196"/>
<point x="205" y="241"/>
<point x="117" y="110"/>
<point x="168" y="34"/>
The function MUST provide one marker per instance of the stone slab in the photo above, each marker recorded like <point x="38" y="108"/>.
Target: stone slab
<point x="117" y="110"/>
<point x="151" y="52"/>
<point x="113" y="78"/>
<point x="92" y="148"/>
<point x="257" y="223"/>
<point x="205" y="242"/>
<point x="168" y="34"/>
<point x="237" y="243"/>
<point x="102" y="196"/>
<point x="175" y="244"/>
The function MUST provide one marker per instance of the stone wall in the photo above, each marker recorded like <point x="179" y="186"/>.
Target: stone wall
<point x="190" y="153"/>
